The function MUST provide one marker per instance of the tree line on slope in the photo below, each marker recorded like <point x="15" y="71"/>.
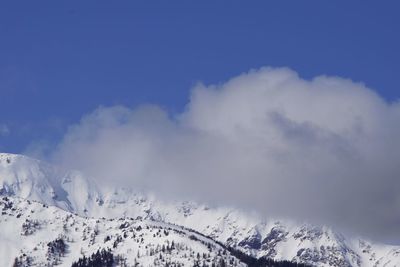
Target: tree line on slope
<point x="105" y="258"/>
<point x="102" y="258"/>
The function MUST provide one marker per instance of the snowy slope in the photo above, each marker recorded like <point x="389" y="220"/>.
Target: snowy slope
<point x="280" y="240"/>
<point x="31" y="230"/>
<point x="35" y="180"/>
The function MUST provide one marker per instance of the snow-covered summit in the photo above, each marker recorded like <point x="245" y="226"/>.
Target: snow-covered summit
<point x="33" y="179"/>
<point x="26" y="177"/>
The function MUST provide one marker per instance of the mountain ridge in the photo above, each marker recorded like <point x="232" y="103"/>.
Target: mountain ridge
<point x="279" y="240"/>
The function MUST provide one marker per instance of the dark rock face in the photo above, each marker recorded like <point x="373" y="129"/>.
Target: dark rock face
<point x="186" y="208"/>
<point x="6" y="191"/>
<point x="276" y="235"/>
<point x="252" y="241"/>
<point x="333" y="256"/>
<point x="336" y="255"/>
<point x="306" y="233"/>
<point x="322" y="255"/>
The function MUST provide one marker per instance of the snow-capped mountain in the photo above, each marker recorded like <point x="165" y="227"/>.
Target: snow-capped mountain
<point x="71" y="191"/>
<point x="39" y="235"/>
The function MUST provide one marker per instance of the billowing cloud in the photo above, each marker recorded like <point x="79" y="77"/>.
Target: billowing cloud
<point x="324" y="150"/>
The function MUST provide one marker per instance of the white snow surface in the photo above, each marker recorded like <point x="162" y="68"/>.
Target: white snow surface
<point x="71" y="191"/>
<point x="29" y="227"/>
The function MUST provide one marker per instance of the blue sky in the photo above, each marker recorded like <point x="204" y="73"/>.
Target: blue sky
<point x="62" y="59"/>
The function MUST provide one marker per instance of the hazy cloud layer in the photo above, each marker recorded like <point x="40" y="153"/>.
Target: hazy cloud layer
<point x="324" y="150"/>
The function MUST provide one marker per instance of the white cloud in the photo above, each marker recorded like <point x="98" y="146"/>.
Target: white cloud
<point x="324" y="150"/>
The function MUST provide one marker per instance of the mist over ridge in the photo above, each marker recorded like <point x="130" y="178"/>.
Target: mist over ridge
<point x="323" y="150"/>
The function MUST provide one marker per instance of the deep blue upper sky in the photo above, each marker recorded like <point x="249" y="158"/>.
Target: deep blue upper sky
<point x="61" y="59"/>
